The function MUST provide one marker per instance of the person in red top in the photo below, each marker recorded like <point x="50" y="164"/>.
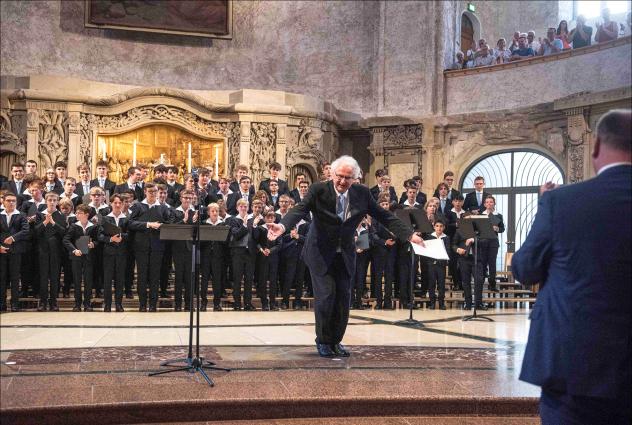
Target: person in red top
<point x="607" y="30"/>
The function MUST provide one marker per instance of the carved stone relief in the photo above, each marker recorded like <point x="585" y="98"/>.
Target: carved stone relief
<point x="403" y="136"/>
<point x="303" y="146"/>
<point x="398" y="141"/>
<point x="10" y="140"/>
<point x="262" y="149"/>
<point x="52" y="137"/>
<point x="578" y="133"/>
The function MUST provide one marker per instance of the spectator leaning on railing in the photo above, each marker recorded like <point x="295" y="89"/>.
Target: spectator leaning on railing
<point x="562" y="34"/>
<point x="484" y="57"/>
<point x="550" y="44"/>
<point x="514" y="41"/>
<point x="460" y="61"/>
<point x="607" y="30"/>
<point x="582" y="34"/>
<point x="502" y="54"/>
<point x="532" y="42"/>
<point x="523" y="51"/>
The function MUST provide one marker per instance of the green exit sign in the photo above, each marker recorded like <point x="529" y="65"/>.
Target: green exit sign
<point x="471" y="7"/>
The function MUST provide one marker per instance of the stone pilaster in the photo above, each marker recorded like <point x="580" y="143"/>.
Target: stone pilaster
<point x="281" y="148"/>
<point x="376" y="148"/>
<point x="74" y="142"/>
<point x="578" y="146"/>
<point x="32" y="134"/>
<point x="244" y="143"/>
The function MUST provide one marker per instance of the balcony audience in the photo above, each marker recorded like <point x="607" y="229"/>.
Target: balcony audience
<point x="523" y="51"/>
<point x="550" y="44"/>
<point x="582" y="34"/>
<point x="608" y="29"/>
<point x="562" y="34"/>
<point x="502" y="54"/>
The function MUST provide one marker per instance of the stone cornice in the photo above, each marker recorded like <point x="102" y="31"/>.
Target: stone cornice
<point x="540" y="59"/>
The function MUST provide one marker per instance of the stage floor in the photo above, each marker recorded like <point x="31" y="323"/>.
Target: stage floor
<point x="73" y="361"/>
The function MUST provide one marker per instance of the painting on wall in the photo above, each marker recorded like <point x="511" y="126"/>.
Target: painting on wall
<point x="202" y="18"/>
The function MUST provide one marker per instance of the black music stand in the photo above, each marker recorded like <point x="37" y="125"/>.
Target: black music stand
<point x="195" y="234"/>
<point x="481" y="228"/>
<point x="409" y="216"/>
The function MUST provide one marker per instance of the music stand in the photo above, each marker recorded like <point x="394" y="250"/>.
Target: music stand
<point x="481" y="228"/>
<point x="407" y="217"/>
<point x="195" y="234"/>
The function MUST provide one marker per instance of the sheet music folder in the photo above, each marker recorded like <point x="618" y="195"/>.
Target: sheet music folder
<point x="110" y="229"/>
<point x="479" y="225"/>
<point x="185" y="232"/>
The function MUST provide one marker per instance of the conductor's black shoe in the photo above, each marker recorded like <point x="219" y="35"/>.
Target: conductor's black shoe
<point x="340" y="350"/>
<point x="481" y="306"/>
<point x="325" y="350"/>
<point x="249" y="307"/>
<point x="119" y="308"/>
<point x="217" y="307"/>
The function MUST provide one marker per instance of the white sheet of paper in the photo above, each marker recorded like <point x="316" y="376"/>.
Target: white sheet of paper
<point x="433" y="248"/>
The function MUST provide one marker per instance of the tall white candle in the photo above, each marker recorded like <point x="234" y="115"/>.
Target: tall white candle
<point x="134" y="154"/>
<point x="189" y="157"/>
<point x="103" y="150"/>
<point x="216" y="162"/>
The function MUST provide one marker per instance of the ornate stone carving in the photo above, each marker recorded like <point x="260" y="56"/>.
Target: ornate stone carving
<point x="262" y="148"/>
<point x="303" y="147"/>
<point x="32" y="119"/>
<point x="403" y="136"/>
<point x="86" y="126"/>
<point x="555" y="142"/>
<point x="52" y="137"/>
<point x="577" y="128"/>
<point x="10" y="141"/>
<point x="576" y="168"/>
<point x="231" y="132"/>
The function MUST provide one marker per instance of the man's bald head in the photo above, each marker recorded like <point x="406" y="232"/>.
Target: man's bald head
<point x="614" y="130"/>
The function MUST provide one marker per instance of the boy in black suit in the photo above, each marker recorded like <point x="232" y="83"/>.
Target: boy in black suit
<point x="173" y="187"/>
<point x="66" y="208"/>
<point x="274" y="168"/>
<point x="69" y="192"/>
<point x="212" y="262"/>
<point x="243" y="249"/>
<point x="474" y="201"/>
<point x="49" y="232"/>
<point x="436" y="268"/>
<point x="240" y="171"/>
<point x="489" y="248"/>
<point x="267" y="263"/>
<point x="30" y="208"/>
<point x="384" y="255"/>
<point x="242" y="193"/>
<point x="363" y="256"/>
<point x="454" y="215"/>
<point x="448" y="179"/>
<point x="51" y="184"/>
<point x="102" y="180"/>
<point x="82" y="262"/>
<point x="83" y="186"/>
<point x="464" y="248"/>
<point x="115" y="252"/>
<point x="14" y="232"/>
<point x="182" y="250"/>
<point x="134" y="176"/>
<point x="16" y="184"/>
<point x="146" y="218"/>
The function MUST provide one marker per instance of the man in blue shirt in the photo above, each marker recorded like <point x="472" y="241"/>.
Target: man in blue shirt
<point x="550" y="44"/>
<point x="523" y="51"/>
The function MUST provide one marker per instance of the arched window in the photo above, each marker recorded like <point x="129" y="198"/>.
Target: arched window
<point x="514" y="178"/>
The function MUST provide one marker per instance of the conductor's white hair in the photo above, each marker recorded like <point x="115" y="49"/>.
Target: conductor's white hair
<point x="347" y="160"/>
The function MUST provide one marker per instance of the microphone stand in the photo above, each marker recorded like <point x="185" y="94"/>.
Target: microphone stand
<point x="411" y="321"/>
<point x="193" y="364"/>
<point x="473" y="316"/>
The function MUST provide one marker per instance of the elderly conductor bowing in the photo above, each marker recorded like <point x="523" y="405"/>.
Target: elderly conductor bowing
<point x="337" y="207"/>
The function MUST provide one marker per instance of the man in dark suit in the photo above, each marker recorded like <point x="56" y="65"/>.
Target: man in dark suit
<point x="16" y="185"/>
<point x="240" y="171"/>
<point x="82" y="188"/>
<point x="474" y="201"/>
<point x="102" y="180"/>
<point x="448" y="179"/>
<point x="420" y="198"/>
<point x="298" y="178"/>
<point x="275" y="169"/>
<point x="134" y="175"/>
<point x="337" y="208"/>
<point x="242" y="193"/>
<point x="14" y="234"/>
<point x="579" y="348"/>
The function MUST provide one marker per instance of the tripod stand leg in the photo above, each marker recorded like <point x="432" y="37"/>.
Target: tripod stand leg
<point x="215" y="368"/>
<point x="171" y="370"/>
<point x="206" y="377"/>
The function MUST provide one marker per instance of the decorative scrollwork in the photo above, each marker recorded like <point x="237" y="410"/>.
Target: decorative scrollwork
<point x="52" y="137"/>
<point x="576" y="157"/>
<point x="9" y="139"/>
<point x="262" y="148"/>
<point x="403" y="136"/>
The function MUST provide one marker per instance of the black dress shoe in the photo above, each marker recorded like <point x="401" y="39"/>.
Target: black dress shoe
<point x="203" y="307"/>
<point x="274" y="307"/>
<point x="297" y="305"/>
<point x="340" y="350"/>
<point x="481" y="306"/>
<point x="249" y="307"/>
<point x="87" y="308"/>
<point x="142" y="309"/>
<point x="15" y="308"/>
<point x="41" y="307"/>
<point x="187" y="308"/>
<point x="325" y="350"/>
<point x="431" y="305"/>
<point x="285" y="305"/>
<point x="119" y="308"/>
<point x="107" y="309"/>
<point x="388" y="305"/>
<point x="177" y="308"/>
<point x="467" y="307"/>
<point x="76" y="308"/>
<point x="217" y="307"/>
<point x="265" y="307"/>
<point x="442" y="306"/>
<point x="237" y="307"/>
<point x="53" y="307"/>
<point x="98" y="294"/>
<point x="152" y="309"/>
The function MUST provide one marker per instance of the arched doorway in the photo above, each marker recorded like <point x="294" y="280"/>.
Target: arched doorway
<point x="467" y="33"/>
<point x="301" y="168"/>
<point x="514" y="178"/>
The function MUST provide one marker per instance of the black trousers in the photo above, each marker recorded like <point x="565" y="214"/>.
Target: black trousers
<point x="332" y="297"/>
<point x="383" y="261"/>
<point x="148" y="270"/>
<point x="289" y="273"/>
<point x="114" y="269"/>
<point x="267" y="270"/>
<point x="561" y="408"/>
<point x="82" y="270"/>
<point x="166" y="267"/>
<point x="453" y="266"/>
<point x="129" y="271"/>
<point x="97" y="268"/>
<point x="182" y="259"/>
<point x="436" y="279"/>
<point x="466" y="264"/>
<point x="212" y="267"/>
<point x="30" y="277"/>
<point x="243" y="268"/>
<point x="50" y="268"/>
<point x="488" y="251"/>
<point x="10" y="270"/>
<point x="359" y="280"/>
<point x="66" y="265"/>
<point x="404" y="264"/>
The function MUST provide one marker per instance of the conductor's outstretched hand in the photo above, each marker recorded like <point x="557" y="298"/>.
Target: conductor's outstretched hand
<point x="274" y="230"/>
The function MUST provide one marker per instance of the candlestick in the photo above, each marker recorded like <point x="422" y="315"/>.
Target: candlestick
<point x="103" y="150"/>
<point x="189" y="157"/>
<point x="134" y="154"/>
<point x="216" y="162"/>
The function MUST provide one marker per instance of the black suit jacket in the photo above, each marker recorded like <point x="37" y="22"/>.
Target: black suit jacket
<point x="328" y="232"/>
<point x="238" y="232"/>
<point x="79" y="189"/>
<point x="472" y="203"/>
<point x="138" y="192"/>
<point x="283" y="187"/>
<point x="73" y="233"/>
<point x="375" y="192"/>
<point x="231" y="202"/>
<point x="109" y="185"/>
<point x="446" y="209"/>
<point x="114" y="248"/>
<point x="49" y="236"/>
<point x="453" y="193"/>
<point x="10" y="186"/>
<point x="146" y="239"/>
<point x="19" y="229"/>
<point x="234" y="186"/>
<point x="58" y="188"/>
<point x="421" y="199"/>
